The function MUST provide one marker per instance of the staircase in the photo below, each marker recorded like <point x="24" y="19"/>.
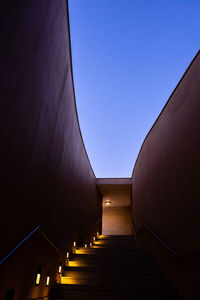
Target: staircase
<point x="112" y="269"/>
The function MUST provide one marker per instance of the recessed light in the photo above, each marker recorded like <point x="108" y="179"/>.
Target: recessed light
<point x="107" y="202"/>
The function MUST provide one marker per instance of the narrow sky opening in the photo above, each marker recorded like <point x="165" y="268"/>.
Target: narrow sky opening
<point x="128" y="57"/>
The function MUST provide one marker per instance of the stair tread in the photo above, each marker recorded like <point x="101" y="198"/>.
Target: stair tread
<point x="112" y="269"/>
<point x="109" y="273"/>
<point x="123" y="251"/>
<point x="116" y="290"/>
<point x="98" y="285"/>
<point x="108" y="269"/>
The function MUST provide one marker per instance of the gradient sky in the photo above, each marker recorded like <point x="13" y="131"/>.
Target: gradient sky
<point x="128" y="57"/>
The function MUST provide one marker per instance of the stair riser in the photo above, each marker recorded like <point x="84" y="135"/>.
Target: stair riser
<point x="112" y="270"/>
<point x="111" y="253"/>
<point x="125" y="277"/>
<point x="107" y="261"/>
<point x="109" y="290"/>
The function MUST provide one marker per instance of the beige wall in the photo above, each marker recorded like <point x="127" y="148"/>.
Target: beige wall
<point x="116" y="220"/>
<point x="116" y="217"/>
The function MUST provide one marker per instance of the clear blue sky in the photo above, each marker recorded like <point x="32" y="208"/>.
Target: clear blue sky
<point x="128" y="57"/>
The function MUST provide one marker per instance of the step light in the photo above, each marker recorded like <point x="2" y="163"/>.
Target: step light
<point x="38" y="276"/>
<point x="37" y="282"/>
<point x="94" y="238"/>
<point x="74" y="244"/>
<point x="97" y="233"/>
<point x="85" y="245"/>
<point x="90" y="244"/>
<point x="60" y="269"/>
<point x="67" y="255"/>
<point x="48" y="279"/>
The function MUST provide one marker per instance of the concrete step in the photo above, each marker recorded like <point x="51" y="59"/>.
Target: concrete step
<point x="101" y="296"/>
<point x="158" y="292"/>
<point x="124" y="276"/>
<point x="117" y="246"/>
<point x="130" y="284"/>
<point x="109" y="264"/>
<point x="111" y="251"/>
<point x="134" y="271"/>
<point x="112" y="269"/>
<point x="116" y="242"/>
<point x="104" y="296"/>
<point x="124" y="261"/>
<point x="115" y="237"/>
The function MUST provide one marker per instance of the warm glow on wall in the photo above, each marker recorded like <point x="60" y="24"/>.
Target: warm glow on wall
<point x="99" y="243"/>
<point x="97" y="233"/>
<point x="69" y="280"/>
<point x="80" y="251"/>
<point x="73" y="263"/>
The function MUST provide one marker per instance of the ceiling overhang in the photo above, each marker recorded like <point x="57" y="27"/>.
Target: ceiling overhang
<point x="115" y="190"/>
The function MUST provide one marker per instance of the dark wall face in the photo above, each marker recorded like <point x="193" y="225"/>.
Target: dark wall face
<point x="166" y="176"/>
<point x="46" y="177"/>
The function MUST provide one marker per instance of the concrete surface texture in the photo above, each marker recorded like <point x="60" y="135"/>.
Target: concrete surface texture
<point x="116" y="215"/>
<point x="46" y="177"/>
<point x="113" y="269"/>
<point x="116" y="220"/>
<point x="166" y="175"/>
<point x="117" y="192"/>
<point x="165" y="190"/>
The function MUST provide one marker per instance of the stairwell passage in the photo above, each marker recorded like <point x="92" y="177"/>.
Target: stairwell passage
<point x="112" y="269"/>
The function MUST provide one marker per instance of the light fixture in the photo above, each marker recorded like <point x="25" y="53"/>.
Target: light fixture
<point x="48" y="279"/>
<point x="60" y="269"/>
<point x="85" y="245"/>
<point x="37" y="282"/>
<point x="38" y="276"/>
<point x="67" y="254"/>
<point x="108" y="202"/>
<point x="97" y="233"/>
<point x="90" y="244"/>
<point x="74" y="244"/>
<point x="94" y="238"/>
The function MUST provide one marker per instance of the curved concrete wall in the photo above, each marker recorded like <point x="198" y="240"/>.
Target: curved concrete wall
<point x="166" y="176"/>
<point x="46" y="177"/>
